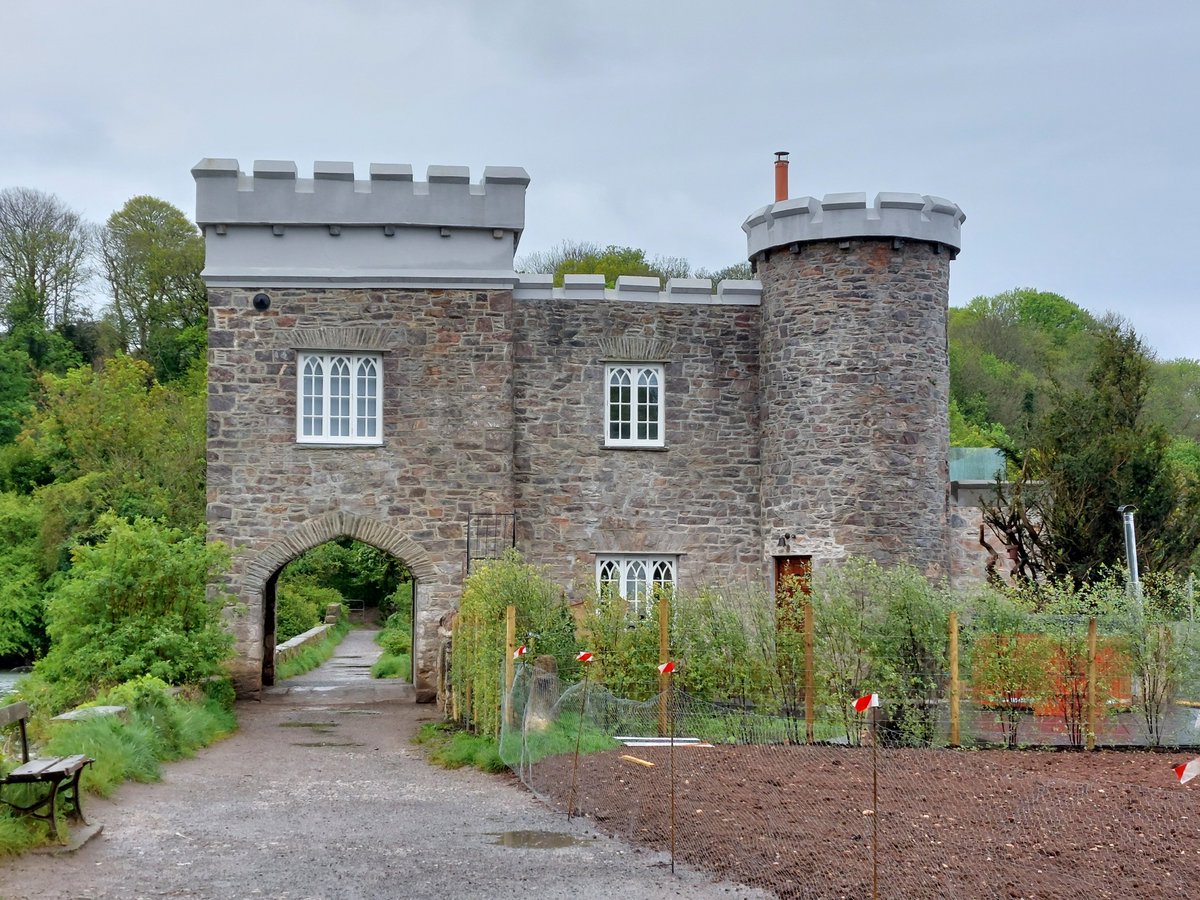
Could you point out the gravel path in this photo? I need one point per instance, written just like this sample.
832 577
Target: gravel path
321 795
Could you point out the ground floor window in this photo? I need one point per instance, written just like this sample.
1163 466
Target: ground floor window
635 578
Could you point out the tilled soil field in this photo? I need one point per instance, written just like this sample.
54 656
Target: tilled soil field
800 821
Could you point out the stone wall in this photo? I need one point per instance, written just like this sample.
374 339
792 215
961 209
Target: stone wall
696 497
855 386
446 451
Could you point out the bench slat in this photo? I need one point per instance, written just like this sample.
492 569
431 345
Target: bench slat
43 769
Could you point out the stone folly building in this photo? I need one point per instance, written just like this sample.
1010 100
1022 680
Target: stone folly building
378 370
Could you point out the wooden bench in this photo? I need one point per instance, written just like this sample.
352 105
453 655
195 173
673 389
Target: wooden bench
62 773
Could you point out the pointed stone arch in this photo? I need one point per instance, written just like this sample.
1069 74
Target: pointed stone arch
331 526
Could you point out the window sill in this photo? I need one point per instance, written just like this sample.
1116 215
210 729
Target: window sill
652 448
322 445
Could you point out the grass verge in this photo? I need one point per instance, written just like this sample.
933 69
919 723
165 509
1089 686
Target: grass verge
314 654
391 665
449 746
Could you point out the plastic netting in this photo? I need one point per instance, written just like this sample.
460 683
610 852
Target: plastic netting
738 793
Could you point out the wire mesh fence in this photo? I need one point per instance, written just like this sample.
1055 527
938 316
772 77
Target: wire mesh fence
739 793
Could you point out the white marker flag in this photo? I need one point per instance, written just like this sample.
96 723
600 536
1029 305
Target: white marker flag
1188 771
862 704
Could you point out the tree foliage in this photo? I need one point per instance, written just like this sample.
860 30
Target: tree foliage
43 258
581 258
152 257
1091 451
134 603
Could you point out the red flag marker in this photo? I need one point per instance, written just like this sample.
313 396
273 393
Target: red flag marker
520 651
584 657
1188 771
666 668
862 704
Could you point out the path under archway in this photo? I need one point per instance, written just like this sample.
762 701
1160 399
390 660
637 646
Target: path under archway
260 572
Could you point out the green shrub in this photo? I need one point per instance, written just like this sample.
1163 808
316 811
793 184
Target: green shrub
393 666
625 647
135 603
396 636
22 627
300 605
544 625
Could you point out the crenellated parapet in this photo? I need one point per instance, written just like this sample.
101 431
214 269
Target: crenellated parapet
640 289
273 227
837 217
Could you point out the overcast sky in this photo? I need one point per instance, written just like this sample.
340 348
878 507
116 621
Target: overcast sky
1067 132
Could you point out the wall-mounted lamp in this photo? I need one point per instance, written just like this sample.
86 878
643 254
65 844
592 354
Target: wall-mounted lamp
783 541
262 301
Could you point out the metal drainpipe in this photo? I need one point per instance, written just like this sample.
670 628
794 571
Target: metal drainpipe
1135 584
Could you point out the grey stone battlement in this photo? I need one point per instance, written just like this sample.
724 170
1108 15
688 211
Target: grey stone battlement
640 289
273 194
919 217
273 228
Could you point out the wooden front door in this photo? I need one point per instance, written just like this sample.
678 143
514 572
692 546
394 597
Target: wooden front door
792 573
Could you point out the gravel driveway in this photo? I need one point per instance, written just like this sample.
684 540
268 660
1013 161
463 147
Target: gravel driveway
321 795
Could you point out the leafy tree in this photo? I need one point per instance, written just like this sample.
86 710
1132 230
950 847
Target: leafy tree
1093 453
113 438
152 258
17 381
544 624
1173 397
738 271
571 258
357 571
43 252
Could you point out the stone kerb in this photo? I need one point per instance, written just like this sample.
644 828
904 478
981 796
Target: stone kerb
918 217
640 289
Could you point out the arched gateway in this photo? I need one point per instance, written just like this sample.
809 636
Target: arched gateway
377 369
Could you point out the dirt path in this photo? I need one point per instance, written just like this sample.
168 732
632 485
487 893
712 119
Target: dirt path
319 795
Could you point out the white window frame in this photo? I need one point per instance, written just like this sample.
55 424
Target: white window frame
634 577
339 397
634 405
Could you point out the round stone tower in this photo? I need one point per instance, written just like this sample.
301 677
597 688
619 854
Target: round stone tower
855 377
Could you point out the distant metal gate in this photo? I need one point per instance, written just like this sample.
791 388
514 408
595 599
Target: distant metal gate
488 536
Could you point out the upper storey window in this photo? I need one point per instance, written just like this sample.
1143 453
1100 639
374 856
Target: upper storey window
634 407
338 398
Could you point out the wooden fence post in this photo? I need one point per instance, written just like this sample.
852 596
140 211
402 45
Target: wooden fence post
955 697
510 663
810 677
1091 684
664 654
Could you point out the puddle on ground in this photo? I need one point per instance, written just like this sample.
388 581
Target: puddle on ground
317 727
536 840
327 744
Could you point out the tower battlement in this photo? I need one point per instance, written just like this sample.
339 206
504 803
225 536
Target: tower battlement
273 227
918 217
273 194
